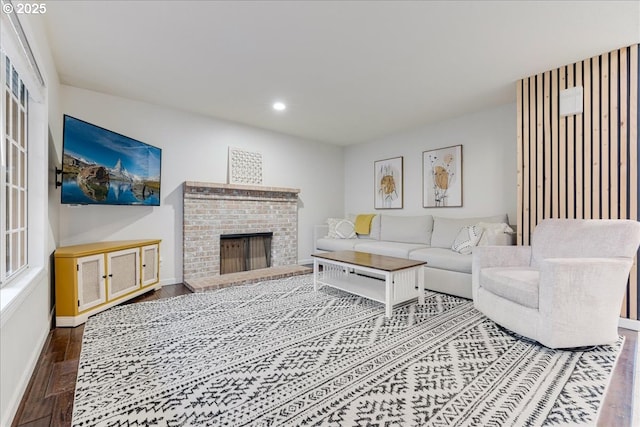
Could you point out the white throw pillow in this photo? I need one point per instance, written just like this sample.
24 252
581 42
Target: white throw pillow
466 239
340 228
491 230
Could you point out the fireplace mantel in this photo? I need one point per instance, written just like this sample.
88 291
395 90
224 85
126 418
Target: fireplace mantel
210 189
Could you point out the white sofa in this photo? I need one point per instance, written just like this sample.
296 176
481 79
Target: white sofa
425 238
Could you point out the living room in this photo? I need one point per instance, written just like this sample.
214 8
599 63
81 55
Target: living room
330 162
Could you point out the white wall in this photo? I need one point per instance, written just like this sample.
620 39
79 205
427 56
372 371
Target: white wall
194 148
488 141
26 301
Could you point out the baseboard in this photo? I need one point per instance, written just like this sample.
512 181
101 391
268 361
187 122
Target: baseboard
170 281
305 261
635 398
22 385
631 324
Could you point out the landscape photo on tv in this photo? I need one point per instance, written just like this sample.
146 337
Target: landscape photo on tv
105 168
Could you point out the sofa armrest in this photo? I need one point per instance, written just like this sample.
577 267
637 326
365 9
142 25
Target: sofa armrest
497 256
503 239
319 231
582 295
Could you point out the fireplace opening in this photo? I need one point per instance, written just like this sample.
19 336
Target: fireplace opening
244 252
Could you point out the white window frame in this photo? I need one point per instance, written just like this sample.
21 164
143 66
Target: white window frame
13 44
10 224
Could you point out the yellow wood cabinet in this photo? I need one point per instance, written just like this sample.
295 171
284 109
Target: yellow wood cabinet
93 277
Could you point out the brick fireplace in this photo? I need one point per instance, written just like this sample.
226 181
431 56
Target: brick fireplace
212 210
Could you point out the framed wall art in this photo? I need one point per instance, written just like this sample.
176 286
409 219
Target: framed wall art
442 177
388 185
245 167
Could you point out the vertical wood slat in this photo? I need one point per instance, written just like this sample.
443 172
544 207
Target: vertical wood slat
624 150
548 160
532 157
571 172
604 195
554 141
526 163
633 175
624 139
584 165
586 134
579 152
519 160
539 152
613 137
562 179
595 137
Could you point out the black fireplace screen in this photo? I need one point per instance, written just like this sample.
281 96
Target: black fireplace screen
244 252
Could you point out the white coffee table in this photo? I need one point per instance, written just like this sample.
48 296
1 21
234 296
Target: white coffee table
401 276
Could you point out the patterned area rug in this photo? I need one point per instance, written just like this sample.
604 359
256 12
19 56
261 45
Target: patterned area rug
279 354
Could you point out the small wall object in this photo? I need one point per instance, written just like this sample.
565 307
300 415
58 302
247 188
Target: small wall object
442 177
388 183
245 167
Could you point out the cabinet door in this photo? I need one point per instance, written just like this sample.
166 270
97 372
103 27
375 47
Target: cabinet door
123 268
150 264
91 276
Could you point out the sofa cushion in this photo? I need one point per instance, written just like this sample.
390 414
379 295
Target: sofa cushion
496 233
341 228
466 239
445 230
374 231
444 259
395 249
328 244
406 229
517 284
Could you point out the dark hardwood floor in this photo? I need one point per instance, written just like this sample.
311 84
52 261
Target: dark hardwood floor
48 400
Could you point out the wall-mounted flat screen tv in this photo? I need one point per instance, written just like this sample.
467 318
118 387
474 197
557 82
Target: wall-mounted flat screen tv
101 167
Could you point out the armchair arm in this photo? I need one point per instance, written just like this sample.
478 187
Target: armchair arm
497 256
501 256
582 296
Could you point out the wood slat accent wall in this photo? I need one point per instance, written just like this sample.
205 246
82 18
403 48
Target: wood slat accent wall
584 165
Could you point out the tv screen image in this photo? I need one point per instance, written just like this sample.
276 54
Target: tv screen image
105 168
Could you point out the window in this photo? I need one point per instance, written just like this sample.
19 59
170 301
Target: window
13 179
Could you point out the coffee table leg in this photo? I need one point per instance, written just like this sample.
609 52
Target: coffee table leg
389 294
420 274
316 267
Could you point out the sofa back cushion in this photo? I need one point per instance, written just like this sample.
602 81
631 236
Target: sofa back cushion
445 230
407 229
374 231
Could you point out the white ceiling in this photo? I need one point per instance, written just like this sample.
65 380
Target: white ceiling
348 71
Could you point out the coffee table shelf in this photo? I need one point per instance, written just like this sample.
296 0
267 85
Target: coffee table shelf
363 286
344 270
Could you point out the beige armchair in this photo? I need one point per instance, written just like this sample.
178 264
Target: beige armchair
566 289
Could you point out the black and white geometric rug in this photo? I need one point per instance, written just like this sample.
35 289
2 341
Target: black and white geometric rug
279 354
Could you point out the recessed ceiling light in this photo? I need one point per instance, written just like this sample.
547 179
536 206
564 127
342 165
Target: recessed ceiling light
279 106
